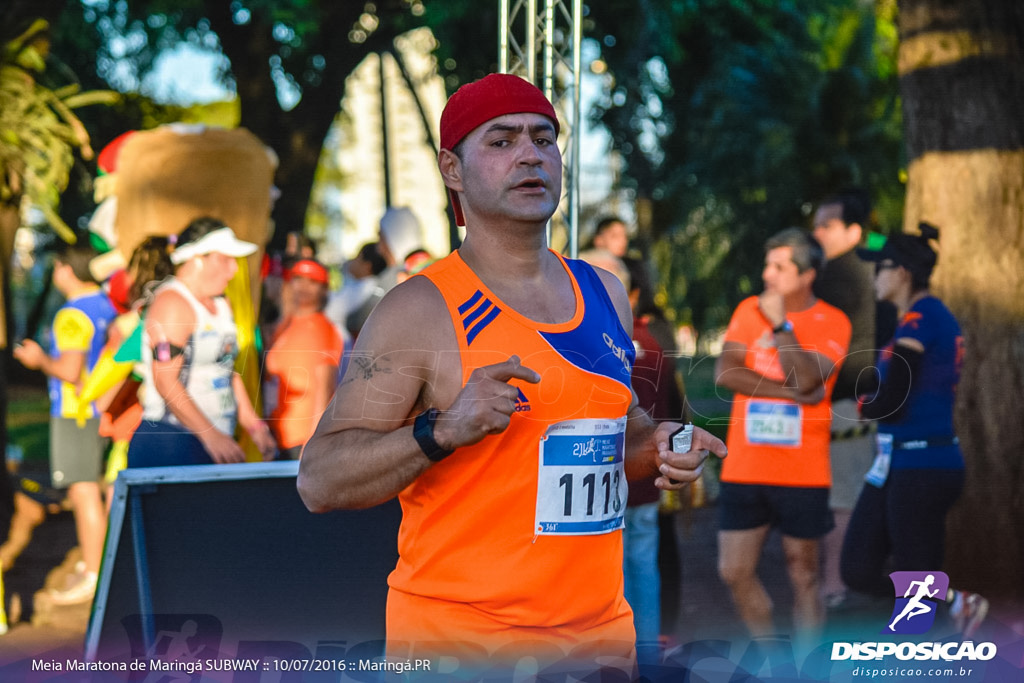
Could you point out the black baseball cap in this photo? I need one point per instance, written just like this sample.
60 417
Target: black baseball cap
912 252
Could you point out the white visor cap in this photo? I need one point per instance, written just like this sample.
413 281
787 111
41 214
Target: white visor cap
220 241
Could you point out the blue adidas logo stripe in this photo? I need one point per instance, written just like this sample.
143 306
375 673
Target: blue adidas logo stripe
477 313
471 302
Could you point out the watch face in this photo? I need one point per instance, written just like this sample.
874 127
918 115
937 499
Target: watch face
682 438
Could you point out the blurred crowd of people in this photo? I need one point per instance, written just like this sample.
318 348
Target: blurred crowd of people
835 418
856 475
843 374
142 362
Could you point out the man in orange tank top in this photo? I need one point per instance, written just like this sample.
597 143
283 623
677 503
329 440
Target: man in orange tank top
491 395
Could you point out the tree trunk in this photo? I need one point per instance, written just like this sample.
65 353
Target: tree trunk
10 219
962 82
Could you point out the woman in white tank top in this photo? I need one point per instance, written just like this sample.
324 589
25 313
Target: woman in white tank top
192 397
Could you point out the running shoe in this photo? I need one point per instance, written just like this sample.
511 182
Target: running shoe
81 590
968 611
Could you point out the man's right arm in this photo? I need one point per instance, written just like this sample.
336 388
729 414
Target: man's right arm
405 361
362 452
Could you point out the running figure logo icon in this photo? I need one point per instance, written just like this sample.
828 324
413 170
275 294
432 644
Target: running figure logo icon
917 595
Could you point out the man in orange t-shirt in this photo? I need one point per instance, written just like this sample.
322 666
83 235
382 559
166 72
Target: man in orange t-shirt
781 355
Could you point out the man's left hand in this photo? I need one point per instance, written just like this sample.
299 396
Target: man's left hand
679 469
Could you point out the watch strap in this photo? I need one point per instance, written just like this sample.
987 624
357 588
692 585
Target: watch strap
784 326
423 432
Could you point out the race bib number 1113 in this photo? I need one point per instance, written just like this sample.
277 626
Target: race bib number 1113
581 481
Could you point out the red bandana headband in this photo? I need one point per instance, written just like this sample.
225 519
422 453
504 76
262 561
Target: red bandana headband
476 103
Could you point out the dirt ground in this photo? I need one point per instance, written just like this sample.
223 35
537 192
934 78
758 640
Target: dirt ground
36 626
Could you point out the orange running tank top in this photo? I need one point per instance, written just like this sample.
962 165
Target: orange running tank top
469 532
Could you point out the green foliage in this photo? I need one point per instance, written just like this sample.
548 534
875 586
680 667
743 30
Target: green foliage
734 117
75 41
295 44
287 62
460 60
38 131
223 114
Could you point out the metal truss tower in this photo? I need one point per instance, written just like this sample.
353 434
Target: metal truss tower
540 41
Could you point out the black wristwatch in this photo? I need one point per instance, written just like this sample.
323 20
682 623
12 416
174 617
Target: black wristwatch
784 326
423 432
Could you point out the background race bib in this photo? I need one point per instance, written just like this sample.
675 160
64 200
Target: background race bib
879 471
581 479
774 424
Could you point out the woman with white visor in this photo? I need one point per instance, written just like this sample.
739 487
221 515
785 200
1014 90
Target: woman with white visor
192 397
